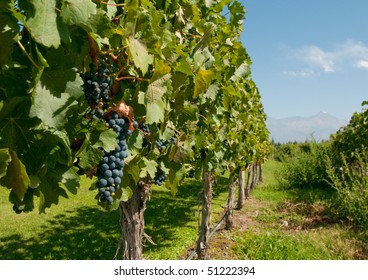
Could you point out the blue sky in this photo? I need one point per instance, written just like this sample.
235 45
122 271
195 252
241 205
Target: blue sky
308 55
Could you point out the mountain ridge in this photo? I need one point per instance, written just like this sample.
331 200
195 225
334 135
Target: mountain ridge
290 129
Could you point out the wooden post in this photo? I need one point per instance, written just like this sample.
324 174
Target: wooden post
202 243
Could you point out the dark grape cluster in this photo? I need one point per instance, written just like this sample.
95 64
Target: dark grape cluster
163 144
160 177
110 169
191 173
17 209
144 127
97 84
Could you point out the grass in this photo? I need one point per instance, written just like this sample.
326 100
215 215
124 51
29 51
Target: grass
78 229
277 223
295 224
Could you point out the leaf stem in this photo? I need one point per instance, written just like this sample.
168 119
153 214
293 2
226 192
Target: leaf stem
27 54
131 78
109 4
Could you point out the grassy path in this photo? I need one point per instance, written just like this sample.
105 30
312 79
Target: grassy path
279 224
274 224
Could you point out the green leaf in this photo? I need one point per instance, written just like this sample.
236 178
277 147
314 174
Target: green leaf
50 188
127 193
70 179
43 24
157 88
203 79
105 140
111 9
150 167
155 112
153 99
16 177
8 36
131 10
139 54
54 109
77 12
90 157
212 92
132 168
209 3
15 123
242 71
184 66
135 140
5 158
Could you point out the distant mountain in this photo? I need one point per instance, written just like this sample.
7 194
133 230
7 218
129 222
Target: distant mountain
318 127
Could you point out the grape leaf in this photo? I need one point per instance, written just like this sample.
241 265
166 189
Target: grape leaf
90 157
53 110
5 158
155 112
111 9
131 10
157 88
209 3
242 71
127 193
132 168
43 23
105 139
16 177
153 98
202 81
77 12
148 166
49 187
15 123
8 35
139 54
70 179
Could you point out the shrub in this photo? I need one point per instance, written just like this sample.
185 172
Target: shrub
351 183
305 166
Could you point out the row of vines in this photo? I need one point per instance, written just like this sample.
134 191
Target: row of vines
131 92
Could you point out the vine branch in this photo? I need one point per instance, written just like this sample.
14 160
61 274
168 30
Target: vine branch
27 54
110 4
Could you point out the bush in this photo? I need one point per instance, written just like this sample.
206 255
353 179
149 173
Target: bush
305 166
351 183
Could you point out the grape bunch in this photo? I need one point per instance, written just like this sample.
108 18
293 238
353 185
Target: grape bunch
17 209
110 169
144 127
191 173
163 144
97 84
160 177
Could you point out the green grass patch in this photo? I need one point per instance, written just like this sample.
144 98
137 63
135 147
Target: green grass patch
172 222
276 244
295 224
77 228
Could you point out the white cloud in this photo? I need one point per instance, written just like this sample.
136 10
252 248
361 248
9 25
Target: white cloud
304 73
362 64
315 59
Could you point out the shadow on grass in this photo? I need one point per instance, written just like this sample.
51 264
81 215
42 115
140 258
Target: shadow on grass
85 233
166 213
89 233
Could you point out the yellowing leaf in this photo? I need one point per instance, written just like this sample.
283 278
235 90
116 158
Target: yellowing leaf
202 81
5 158
16 177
